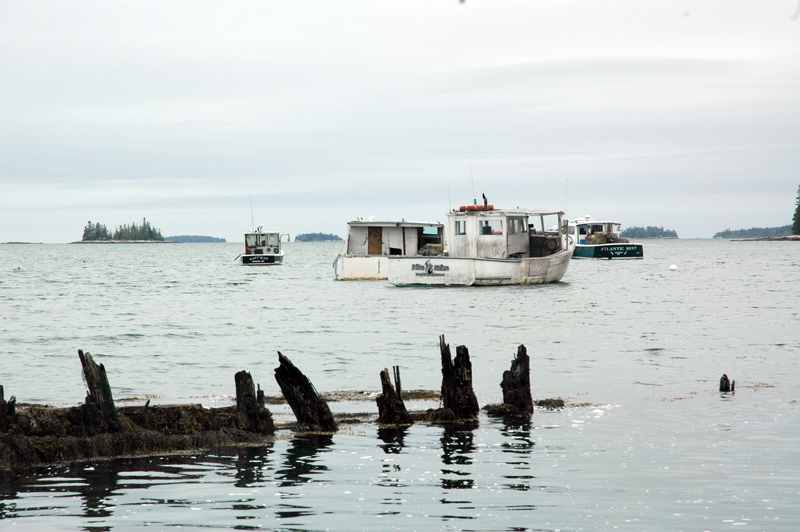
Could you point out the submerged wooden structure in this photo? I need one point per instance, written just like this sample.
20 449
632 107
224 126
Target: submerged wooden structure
40 435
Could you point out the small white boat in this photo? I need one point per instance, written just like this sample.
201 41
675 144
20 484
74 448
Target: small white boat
597 239
262 248
368 246
492 247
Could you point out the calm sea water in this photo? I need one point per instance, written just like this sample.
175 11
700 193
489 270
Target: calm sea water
638 349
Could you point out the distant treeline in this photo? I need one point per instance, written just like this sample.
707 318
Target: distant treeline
191 239
756 232
124 232
648 232
316 237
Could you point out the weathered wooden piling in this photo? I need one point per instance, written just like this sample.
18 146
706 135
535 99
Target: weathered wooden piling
311 411
8 410
517 382
457 394
99 412
391 408
252 415
726 385
516 387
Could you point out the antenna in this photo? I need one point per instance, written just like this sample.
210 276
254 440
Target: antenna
252 223
474 197
566 194
449 206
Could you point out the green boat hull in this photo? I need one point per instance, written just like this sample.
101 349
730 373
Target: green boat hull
609 251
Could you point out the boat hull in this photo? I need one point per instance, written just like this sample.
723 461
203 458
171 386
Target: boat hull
609 251
262 260
458 271
364 268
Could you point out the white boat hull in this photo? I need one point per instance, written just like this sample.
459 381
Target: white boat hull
364 268
458 271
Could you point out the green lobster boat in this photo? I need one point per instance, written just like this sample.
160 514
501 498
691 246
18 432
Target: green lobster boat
596 239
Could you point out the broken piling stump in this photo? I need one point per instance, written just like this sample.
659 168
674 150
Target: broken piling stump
391 408
99 412
311 411
726 385
516 387
253 416
8 411
459 404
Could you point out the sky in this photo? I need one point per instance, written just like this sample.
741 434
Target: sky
679 113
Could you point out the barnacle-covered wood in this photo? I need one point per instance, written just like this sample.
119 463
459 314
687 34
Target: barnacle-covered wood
33 435
391 408
309 408
459 404
516 387
99 412
252 415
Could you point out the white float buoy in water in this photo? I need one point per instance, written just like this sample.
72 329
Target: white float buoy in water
673 268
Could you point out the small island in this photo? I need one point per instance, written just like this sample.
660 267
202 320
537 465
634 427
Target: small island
756 232
98 233
317 237
648 232
194 239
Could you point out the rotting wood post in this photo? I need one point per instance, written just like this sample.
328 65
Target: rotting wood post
726 385
252 416
99 412
516 383
8 410
391 408
311 411
457 393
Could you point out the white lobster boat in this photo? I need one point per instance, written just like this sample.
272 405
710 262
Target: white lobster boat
262 248
368 246
492 247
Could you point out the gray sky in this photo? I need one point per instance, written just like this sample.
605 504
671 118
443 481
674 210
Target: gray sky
677 113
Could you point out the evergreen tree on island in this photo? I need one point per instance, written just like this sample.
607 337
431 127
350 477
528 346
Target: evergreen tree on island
796 224
93 232
316 237
648 232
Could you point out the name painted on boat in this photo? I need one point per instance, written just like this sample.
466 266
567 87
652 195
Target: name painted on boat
429 269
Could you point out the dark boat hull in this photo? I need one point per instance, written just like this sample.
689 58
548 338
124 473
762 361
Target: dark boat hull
261 260
609 251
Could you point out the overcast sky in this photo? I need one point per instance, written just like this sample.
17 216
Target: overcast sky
676 113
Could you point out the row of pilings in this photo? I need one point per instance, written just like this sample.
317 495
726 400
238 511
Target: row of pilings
39 434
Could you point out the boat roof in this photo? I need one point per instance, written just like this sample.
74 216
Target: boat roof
586 221
402 223
510 212
260 232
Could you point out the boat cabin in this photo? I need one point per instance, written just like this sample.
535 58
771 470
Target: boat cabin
259 242
580 230
484 232
394 238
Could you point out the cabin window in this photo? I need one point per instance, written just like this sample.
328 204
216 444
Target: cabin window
581 229
251 240
461 227
430 230
492 227
273 240
597 228
517 226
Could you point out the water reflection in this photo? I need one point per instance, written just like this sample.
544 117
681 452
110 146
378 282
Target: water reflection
252 464
301 459
393 439
457 449
519 445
